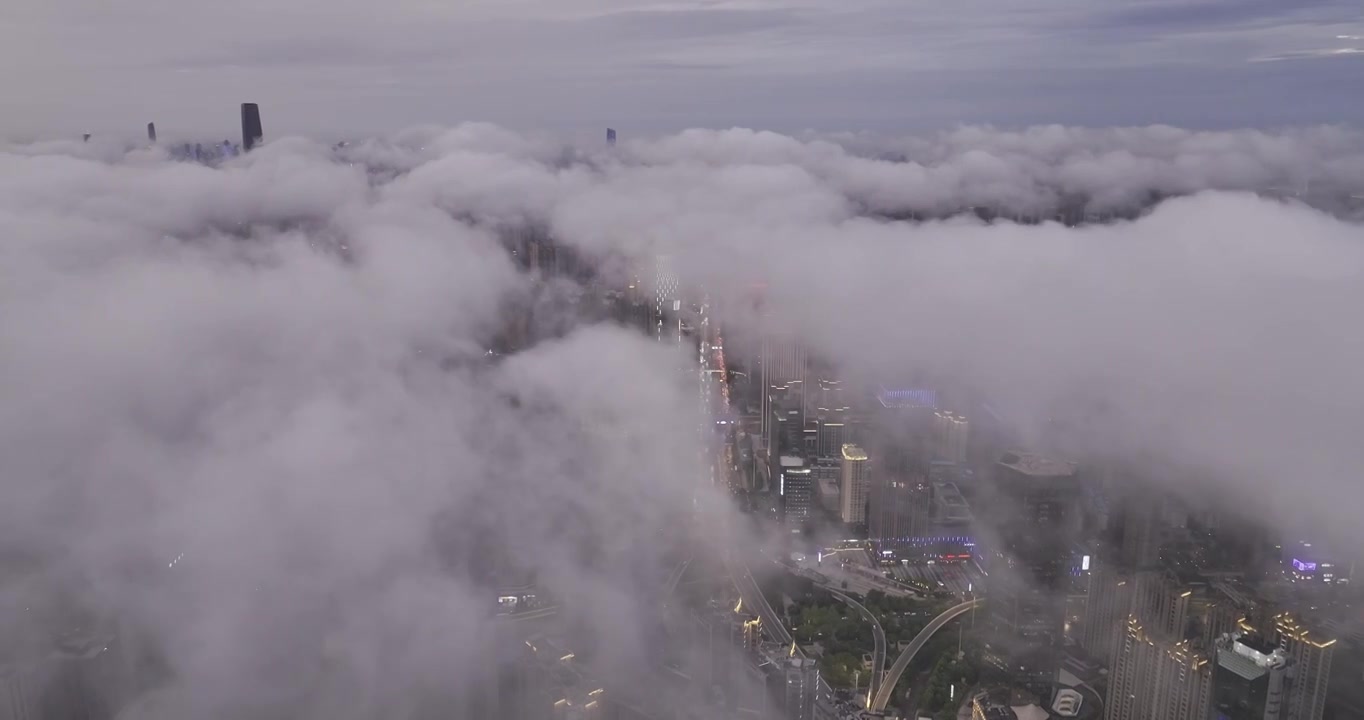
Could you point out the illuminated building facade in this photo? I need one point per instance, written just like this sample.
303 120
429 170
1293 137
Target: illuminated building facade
854 486
1154 676
796 488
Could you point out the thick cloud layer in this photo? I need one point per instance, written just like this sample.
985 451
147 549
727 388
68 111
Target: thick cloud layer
247 410
269 376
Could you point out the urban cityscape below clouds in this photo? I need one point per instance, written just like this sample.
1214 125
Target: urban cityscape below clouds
1013 375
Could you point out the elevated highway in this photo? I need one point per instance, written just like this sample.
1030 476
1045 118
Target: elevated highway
882 697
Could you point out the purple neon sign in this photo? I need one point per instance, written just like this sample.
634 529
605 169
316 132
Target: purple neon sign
1306 567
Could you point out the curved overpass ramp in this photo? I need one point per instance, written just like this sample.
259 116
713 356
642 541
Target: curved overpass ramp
878 663
882 697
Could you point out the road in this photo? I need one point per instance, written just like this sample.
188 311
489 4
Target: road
878 656
888 685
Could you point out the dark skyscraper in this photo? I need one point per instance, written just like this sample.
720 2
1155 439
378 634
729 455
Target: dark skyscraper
252 134
1033 521
610 136
151 132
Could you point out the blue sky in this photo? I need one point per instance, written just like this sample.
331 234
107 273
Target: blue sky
365 66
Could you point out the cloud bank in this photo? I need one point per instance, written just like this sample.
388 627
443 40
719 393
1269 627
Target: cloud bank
270 376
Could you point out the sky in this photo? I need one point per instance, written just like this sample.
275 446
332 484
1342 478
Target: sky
354 67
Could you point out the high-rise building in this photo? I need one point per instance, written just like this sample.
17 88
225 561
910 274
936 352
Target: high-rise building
800 688
796 487
1108 603
252 134
1031 513
1276 673
728 640
1309 655
950 436
610 136
854 486
783 364
1154 676
151 132
897 510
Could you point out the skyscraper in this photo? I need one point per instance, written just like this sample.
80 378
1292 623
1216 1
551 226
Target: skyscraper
151 132
796 487
1258 678
611 136
252 134
1031 513
897 511
854 485
1154 676
950 436
1108 604
1309 655
800 688
783 364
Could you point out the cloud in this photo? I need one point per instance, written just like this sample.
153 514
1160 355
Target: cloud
243 403
248 410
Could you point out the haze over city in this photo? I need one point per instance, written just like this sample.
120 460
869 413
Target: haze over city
878 361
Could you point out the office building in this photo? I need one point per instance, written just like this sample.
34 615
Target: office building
782 365
950 437
1278 672
151 133
1108 602
1309 655
828 404
1031 513
727 642
799 688
252 134
1154 676
611 136
796 488
950 514
854 487
897 511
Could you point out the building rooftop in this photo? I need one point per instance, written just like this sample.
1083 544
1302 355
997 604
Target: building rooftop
1036 465
853 452
791 461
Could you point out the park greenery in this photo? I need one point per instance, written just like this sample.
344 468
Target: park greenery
938 699
816 617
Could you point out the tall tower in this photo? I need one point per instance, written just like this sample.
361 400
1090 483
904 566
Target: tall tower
611 137
1309 656
252 134
1157 677
783 364
1109 602
151 132
1033 513
853 488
